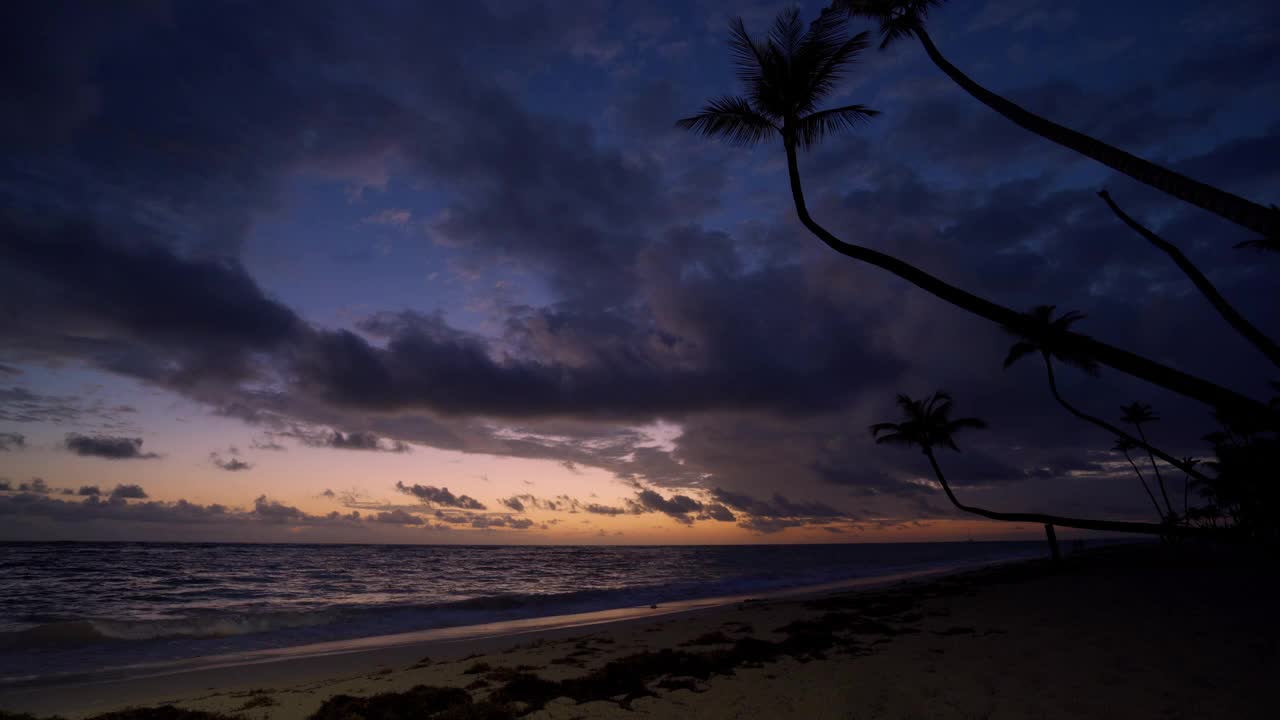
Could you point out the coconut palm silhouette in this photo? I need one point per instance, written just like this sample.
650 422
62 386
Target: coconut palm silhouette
1126 446
907 18
1045 336
1137 414
927 424
785 77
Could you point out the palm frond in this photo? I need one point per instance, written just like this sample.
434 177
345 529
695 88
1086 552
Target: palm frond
1124 445
893 434
909 407
1266 244
897 18
878 428
750 57
1137 413
811 129
1019 351
788 32
1067 319
831 68
1049 335
927 423
938 404
731 119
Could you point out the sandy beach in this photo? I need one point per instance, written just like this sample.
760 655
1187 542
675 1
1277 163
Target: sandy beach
1125 632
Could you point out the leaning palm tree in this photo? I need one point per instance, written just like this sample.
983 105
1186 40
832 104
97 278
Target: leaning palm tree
927 424
1126 446
786 76
1046 338
907 18
1188 462
1226 310
1136 414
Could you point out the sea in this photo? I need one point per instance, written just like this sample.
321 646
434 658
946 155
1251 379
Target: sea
69 609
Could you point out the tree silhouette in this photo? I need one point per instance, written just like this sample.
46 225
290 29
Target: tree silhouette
785 77
907 18
927 424
1190 462
1046 337
1246 329
1125 446
1136 414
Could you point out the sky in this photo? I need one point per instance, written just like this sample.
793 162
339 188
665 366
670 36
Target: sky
447 273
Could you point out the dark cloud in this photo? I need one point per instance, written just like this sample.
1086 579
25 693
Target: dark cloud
486 522
128 492
105 446
189 321
777 514
86 490
266 443
432 496
181 512
718 512
677 507
11 441
276 511
230 464
37 486
21 405
598 509
397 517
354 441
567 504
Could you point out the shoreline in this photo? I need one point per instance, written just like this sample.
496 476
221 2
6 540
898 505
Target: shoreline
132 684
1134 631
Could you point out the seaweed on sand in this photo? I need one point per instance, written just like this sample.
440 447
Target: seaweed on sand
421 701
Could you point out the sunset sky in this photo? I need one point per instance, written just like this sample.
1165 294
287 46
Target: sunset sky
450 267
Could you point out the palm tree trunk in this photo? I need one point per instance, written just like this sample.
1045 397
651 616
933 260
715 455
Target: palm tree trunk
1080 523
1053 388
1052 537
1130 363
1155 468
1238 210
1147 488
1233 317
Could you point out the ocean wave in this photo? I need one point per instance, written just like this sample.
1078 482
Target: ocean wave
252 618
382 619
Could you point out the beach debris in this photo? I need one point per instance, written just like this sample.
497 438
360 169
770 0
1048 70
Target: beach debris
257 701
711 638
419 701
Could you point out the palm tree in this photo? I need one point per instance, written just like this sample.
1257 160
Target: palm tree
1188 462
786 76
928 424
1046 338
907 18
1125 446
1136 414
1233 317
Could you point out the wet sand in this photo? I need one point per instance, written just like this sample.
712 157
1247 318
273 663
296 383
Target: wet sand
1125 632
